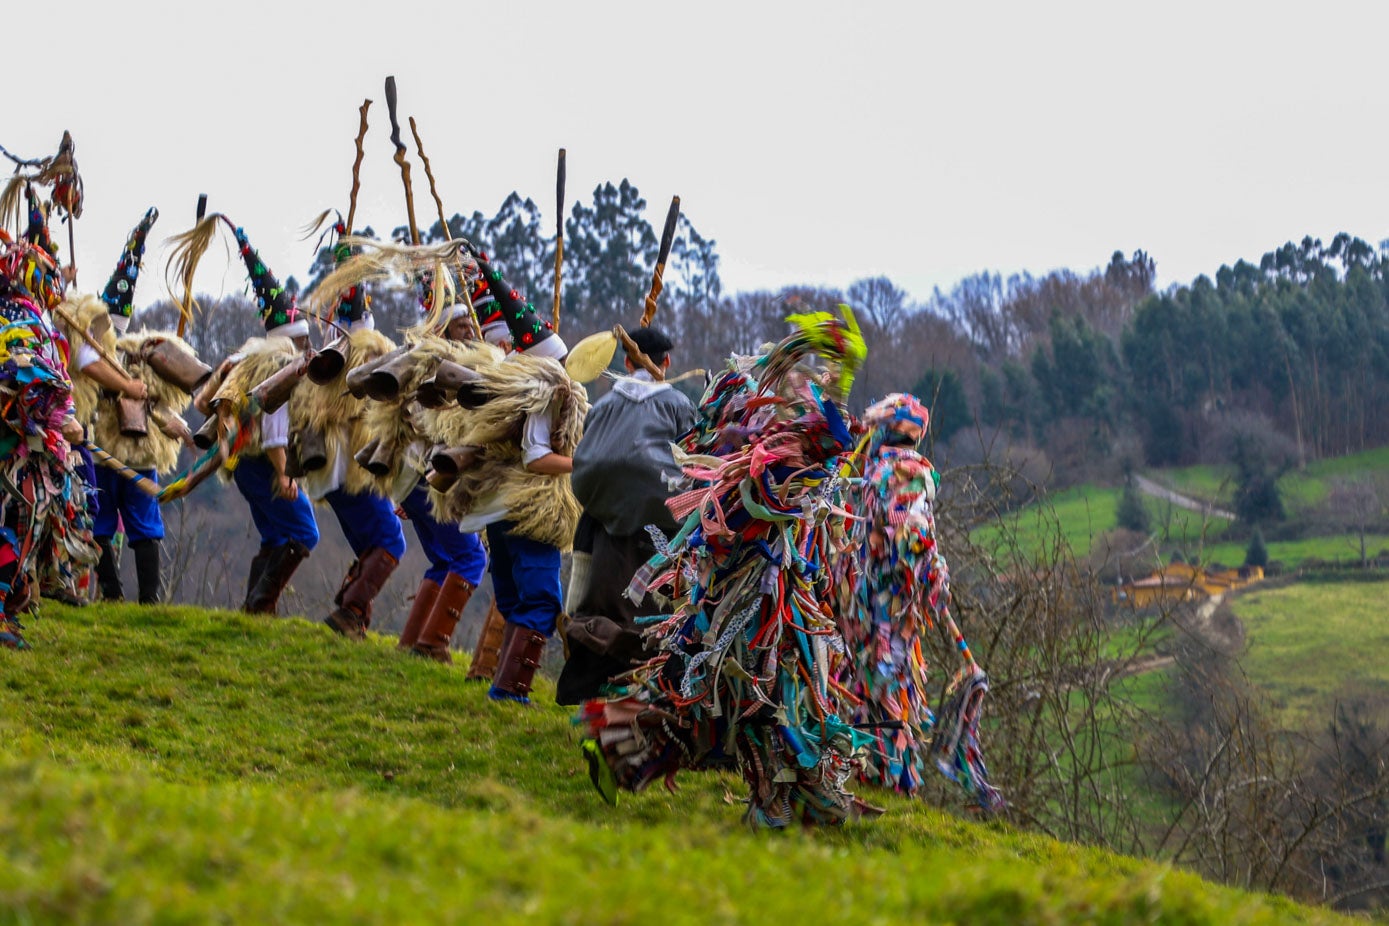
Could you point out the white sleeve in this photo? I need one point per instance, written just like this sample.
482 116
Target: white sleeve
274 428
535 438
86 355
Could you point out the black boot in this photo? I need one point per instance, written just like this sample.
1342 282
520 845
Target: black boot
279 567
258 563
147 570
108 573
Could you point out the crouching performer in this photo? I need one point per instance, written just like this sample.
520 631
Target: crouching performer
512 439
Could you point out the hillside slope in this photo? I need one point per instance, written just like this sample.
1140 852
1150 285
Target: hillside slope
173 764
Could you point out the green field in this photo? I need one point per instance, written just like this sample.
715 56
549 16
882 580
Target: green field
1080 514
1311 643
179 765
1333 548
1301 491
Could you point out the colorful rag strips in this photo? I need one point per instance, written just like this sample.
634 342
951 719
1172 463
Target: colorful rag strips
744 672
776 659
43 527
892 593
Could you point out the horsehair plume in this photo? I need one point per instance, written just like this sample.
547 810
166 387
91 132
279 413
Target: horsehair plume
382 260
12 206
187 250
319 224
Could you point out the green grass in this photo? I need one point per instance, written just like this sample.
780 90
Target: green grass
179 765
1332 548
1301 490
1081 513
1313 642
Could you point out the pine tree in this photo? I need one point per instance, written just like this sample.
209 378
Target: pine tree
1133 514
1257 553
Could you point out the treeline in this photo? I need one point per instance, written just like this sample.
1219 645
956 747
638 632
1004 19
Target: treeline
1085 371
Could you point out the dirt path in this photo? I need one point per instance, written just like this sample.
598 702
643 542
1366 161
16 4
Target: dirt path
1149 487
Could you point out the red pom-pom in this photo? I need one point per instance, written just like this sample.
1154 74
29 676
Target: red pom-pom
527 338
514 294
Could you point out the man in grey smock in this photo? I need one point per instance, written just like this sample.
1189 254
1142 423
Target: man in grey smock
623 469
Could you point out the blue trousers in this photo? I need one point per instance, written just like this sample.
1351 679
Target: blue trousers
138 511
367 520
525 578
278 520
448 549
87 473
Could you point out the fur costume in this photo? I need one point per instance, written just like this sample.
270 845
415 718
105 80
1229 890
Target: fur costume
397 425
542 507
260 357
91 315
336 414
156 450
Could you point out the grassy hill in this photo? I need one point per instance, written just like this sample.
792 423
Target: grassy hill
180 765
1314 642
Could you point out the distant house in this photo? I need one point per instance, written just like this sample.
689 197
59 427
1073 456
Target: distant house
1182 582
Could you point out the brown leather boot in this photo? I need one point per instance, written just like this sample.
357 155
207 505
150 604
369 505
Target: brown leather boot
489 644
438 629
520 657
424 602
280 564
363 583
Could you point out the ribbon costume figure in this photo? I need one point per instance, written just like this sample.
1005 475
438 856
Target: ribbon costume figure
40 497
895 586
744 665
623 475
132 404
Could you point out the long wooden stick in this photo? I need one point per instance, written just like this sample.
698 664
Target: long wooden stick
474 323
357 166
559 235
143 483
658 275
399 158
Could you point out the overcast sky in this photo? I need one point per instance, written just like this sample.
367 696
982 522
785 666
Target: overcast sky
817 142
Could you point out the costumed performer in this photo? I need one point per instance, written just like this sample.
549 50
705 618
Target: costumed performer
743 670
527 421
623 475
897 586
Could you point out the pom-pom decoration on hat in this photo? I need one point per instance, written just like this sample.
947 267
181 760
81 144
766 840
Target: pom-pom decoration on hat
277 308
898 413
120 289
354 306
524 323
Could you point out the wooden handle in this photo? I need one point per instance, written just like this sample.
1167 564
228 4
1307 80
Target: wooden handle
357 166
141 482
658 275
429 173
399 158
559 236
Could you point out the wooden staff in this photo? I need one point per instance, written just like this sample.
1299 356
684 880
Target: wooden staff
399 158
559 235
143 483
357 166
188 290
474 326
658 275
